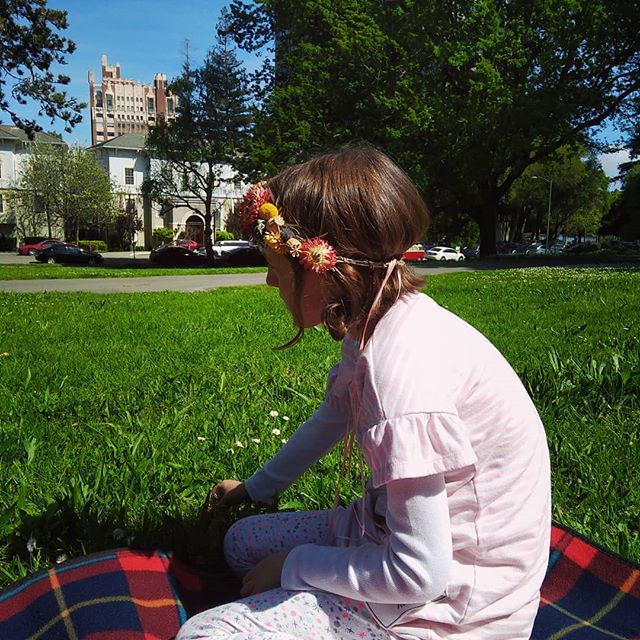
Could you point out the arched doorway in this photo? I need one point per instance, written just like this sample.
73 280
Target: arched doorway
194 228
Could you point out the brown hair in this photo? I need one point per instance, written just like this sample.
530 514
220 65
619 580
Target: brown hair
367 208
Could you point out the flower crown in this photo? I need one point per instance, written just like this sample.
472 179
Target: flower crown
260 218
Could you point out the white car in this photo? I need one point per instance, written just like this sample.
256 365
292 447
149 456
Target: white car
443 253
227 246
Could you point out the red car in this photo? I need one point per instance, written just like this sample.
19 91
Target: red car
415 252
187 243
32 248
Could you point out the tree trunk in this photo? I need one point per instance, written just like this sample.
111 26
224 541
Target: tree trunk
486 217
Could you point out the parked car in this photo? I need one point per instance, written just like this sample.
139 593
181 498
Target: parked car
229 246
443 253
188 243
171 255
413 253
471 253
250 256
236 253
68 254
32 248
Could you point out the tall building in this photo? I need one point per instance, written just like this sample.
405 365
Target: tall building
121 106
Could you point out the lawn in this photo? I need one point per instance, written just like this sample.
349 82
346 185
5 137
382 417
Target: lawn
31 271
117 412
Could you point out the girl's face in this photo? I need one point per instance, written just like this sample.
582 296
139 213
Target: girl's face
312 291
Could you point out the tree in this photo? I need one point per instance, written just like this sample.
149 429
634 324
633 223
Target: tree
210 129
127 222
623 218
29 45
464 95
62 188
580 196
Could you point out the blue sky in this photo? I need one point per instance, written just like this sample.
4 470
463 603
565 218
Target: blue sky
145 36
148 37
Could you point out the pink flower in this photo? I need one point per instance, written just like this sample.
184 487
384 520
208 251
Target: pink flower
317 255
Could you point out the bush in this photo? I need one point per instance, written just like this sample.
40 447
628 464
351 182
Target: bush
224 235
162 235
93 245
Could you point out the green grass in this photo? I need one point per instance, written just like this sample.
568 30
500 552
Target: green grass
118 412
58 271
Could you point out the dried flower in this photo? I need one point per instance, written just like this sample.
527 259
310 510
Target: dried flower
294 246
317 255
268 210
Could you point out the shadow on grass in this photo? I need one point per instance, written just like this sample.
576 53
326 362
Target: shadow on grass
63 532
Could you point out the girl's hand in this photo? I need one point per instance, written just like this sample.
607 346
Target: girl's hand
226 494
265 575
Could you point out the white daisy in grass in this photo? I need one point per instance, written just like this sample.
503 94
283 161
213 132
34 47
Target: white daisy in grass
31 544
274 414
239 444
275 432
285 418
256 440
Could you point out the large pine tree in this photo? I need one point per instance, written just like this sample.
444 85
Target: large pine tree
210 129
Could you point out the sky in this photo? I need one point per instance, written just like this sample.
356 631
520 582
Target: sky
145 36
148 37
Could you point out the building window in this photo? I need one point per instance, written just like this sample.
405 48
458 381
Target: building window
128 176
99 98
150 105
170 109
109 101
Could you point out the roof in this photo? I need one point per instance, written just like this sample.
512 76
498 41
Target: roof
15 133
131 141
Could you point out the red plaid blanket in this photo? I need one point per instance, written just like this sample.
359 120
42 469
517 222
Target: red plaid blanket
588 594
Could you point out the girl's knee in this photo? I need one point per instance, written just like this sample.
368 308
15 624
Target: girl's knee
239 546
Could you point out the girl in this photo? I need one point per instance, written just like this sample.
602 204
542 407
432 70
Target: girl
451 536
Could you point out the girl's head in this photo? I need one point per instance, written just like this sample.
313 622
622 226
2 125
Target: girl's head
357 211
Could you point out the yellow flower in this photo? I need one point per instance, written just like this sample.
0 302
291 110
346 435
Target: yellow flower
274 242
268 210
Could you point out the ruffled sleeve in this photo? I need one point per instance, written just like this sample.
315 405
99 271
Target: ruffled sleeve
416 445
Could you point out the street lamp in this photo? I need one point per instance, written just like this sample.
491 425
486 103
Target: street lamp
546 240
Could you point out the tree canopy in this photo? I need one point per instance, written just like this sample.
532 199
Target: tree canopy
29 46
464 95
62 187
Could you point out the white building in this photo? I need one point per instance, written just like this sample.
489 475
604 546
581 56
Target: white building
128 166
14 148
119 105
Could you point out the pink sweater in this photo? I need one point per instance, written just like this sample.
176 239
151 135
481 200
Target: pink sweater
436 398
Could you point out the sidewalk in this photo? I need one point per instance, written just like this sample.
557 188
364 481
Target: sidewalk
135 284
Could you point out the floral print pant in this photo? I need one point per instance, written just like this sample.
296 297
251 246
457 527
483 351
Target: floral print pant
279 614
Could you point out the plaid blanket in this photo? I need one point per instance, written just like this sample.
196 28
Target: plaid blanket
588 594
117 595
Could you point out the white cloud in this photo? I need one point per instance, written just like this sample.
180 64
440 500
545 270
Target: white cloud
610 161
